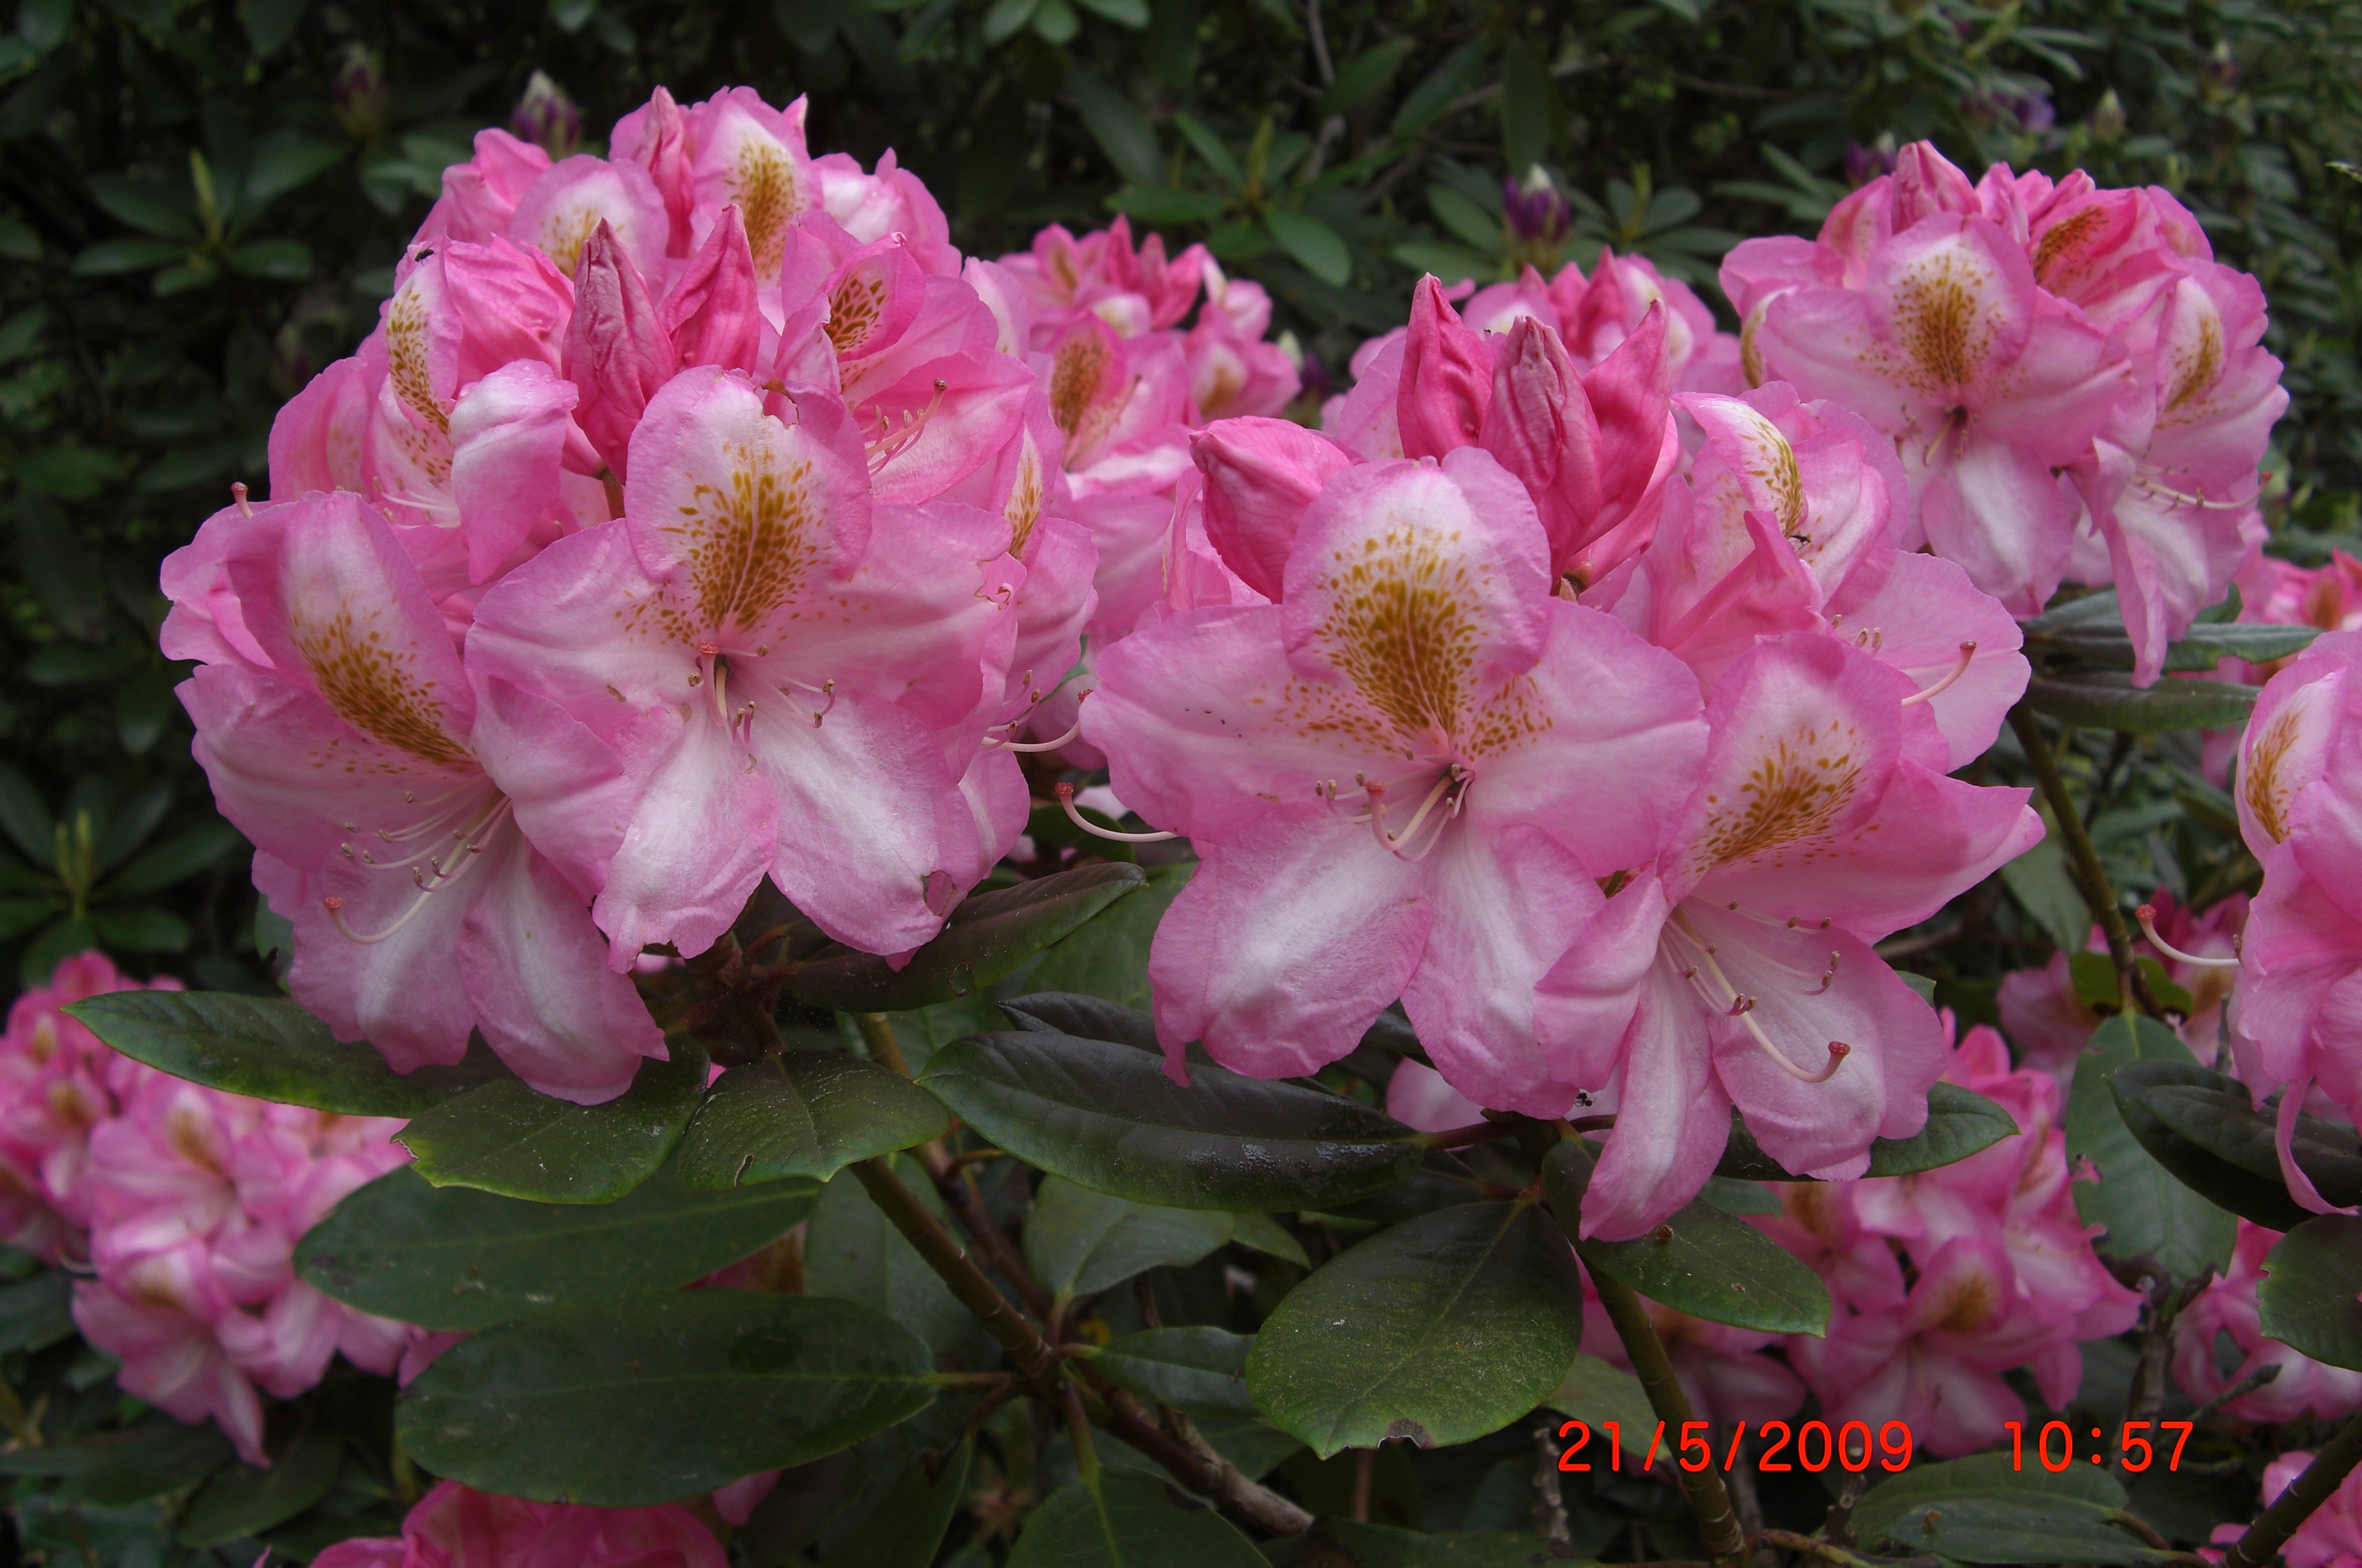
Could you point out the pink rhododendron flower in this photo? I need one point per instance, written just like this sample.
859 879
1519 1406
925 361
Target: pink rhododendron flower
1402 778
2219 1345
795 679
1724 1372
57 1082
1737 969
2051 1024
2331 1536
1593 315
453 1527
2005 1276
2299 1015
342 735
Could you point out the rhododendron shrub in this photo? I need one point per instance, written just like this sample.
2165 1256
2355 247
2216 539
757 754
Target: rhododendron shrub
911 850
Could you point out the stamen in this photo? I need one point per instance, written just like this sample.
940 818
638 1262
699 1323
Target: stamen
237 499
892 443
1742 1004
828 689
1041 746
1967 652
1066 801
2147 913
1377 793
1828 977
2182 498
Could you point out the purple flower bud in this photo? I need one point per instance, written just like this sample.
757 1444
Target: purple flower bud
547 117
2221 69
357 91
1536 211
1863 164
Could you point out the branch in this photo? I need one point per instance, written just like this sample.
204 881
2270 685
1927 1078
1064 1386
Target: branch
2130 985
2292 1508
1028 1349
1717 1525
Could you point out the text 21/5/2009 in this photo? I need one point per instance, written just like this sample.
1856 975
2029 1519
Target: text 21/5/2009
1850 1446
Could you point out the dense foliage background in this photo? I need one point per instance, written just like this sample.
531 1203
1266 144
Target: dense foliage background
201 203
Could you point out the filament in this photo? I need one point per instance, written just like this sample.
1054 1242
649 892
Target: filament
1959 668
237 499
893 442
2147 913
2182 498
1066 801
1742 1007
1042 745
464 857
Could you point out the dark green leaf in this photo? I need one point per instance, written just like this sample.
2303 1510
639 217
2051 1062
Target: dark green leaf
1197 1370
1077 1242
509 1138
1133 13
453 1257
37 1313
2196 650
1159 206
2038 880
270 23
1056 23
1109 957
140 930
986 938
1426 102
2113 702
26 819
2093 610
1107 1116
166 1458
1311 242
1085 1018
1129 1521
1007 18
1209 147
1983 1509
280 260
1438 1331
270 1049
907 1528
2312 1277
802 1113
1595 1390
1365 77
1960 1121
2149 1215
853 1253
1123 132
624 1404
2200 1125
1526 109
144 205
245 1502
1702 1262
176 859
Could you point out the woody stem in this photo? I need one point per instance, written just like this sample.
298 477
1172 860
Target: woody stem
1709 1501
2292 1508
2090 875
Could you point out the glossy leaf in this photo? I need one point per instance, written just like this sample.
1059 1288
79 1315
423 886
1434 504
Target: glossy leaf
506 1138
1438 1331
1702 1261
453 1257
1983 1509
1084 1017
1078 1241
1109 957
2038 880
2103 702
1129 1521
802 1113
1199 1371
268 1048
2199 1124
624 1403
987 936
1312 243
1595 1390
1960 1121
907 1528
2148 1214
165 1458
2312 1277
243 1501
1106 1117
852 1252
2198 650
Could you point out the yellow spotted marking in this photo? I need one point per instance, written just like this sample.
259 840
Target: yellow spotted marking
565 233
2196 365
405 359
1076 370
1024 508
2062 247
751 541
2261 785
1969 1304
854 307
1797 790
1939 320
763 182
374 685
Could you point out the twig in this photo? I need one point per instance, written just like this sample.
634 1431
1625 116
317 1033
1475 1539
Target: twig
2085 859
2272 1528
1717 1525
877 1033
1365 1467
1549 1501
2239 1390
1029 1351
1461 1137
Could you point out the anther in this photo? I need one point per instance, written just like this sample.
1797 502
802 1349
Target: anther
1828 977
237 499
2147 913
1959 668
1067 802
1741 1005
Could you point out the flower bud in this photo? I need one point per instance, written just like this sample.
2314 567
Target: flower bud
357 91
1537 213
547 117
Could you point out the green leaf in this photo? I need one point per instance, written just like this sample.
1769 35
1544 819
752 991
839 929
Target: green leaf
2196 650
1311 242
1106 1116
280 260
1702 1262
1077 1242
2312 1277
625 1403
507 1137
907 1528
2112 703
986 938
1384 1546
177 859
802 1113
1109 957
144 205
1085 1018
2149 1215
1460 213
2200 1125
1056 23
1265 1235
245 1502
1364 76
1426 102
1209 147
26 819
270 23
37 1313
1594 1390
853 1253
1133 13
1525 108
1960 1121
1449 263
112 258
2039 880
165 1458
1197 1370
140 930
1129 1521
1981 1509
1438 1331
270 1048
1166 206
453 1258
1007 18
1123 132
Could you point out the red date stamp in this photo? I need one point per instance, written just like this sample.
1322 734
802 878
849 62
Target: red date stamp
1815 1446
